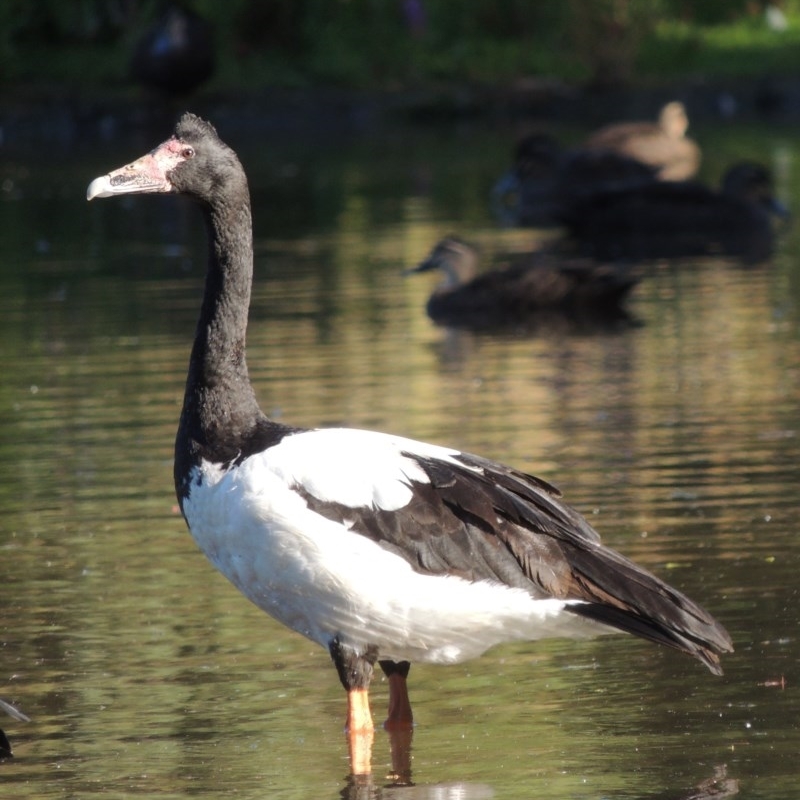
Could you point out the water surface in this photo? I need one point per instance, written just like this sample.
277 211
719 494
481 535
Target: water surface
146 674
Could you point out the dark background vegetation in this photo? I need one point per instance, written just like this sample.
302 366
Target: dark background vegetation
403 44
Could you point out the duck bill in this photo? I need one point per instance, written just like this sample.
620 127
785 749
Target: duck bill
424 266
147 175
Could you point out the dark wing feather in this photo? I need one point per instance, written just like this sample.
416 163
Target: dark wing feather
574 564
482 521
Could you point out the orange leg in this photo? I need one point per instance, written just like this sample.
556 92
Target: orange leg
360 732
355 673
359 717
399 721
399 715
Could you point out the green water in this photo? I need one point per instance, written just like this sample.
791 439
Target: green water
146 674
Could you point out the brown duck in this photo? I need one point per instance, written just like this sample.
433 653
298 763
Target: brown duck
662 144
537 285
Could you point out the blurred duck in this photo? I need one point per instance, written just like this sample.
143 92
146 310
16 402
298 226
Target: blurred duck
680 219
538 285
545 177
176 54
662 145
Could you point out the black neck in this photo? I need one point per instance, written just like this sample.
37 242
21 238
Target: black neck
220 413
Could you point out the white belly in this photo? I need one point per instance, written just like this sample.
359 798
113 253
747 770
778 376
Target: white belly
324 581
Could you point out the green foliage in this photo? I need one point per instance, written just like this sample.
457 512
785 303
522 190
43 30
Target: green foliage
744 47
607 35
404 43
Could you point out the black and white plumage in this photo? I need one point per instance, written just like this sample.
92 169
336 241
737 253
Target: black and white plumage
377 547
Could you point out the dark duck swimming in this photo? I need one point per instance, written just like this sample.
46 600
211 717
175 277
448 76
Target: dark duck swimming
532 289
545 178
680 219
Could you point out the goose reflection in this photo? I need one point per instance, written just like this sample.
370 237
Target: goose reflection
365 787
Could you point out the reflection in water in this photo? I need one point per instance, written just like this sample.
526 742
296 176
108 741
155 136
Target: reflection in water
146 675
13 711
718 786
367 787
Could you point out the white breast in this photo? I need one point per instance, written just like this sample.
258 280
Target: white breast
323 580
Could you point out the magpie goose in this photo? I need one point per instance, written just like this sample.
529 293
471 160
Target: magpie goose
377 547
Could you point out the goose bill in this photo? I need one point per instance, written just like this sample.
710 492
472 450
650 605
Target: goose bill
147 175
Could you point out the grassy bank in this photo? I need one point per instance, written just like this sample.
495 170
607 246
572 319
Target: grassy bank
365 44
